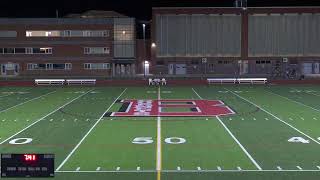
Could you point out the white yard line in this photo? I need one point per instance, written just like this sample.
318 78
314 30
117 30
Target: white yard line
274 116
44 117
241 146
84 137
235 139
27 101
293 101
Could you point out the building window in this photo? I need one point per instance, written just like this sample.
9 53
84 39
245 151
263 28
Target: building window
29 50
68 66
211 67
87 66
49 66
66 33
28 34
194 62
8 50
263 62
49 33
96 50
20 51
42 50
96 66
160 63
95 33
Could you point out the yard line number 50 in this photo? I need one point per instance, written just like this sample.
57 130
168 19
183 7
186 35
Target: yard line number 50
149 140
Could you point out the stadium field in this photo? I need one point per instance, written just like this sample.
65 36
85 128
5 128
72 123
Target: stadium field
204 132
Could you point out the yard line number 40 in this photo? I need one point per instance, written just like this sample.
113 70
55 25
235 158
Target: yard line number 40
149 140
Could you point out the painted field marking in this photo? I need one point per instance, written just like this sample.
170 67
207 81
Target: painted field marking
275 117
78 169
84 137
138 168
239 168
315 118
279 168
299 167
98 169
44 117
318 167
300 103
308 92
186 171
159 155
118 169
199 168
234 138
179 168
219 168
27 101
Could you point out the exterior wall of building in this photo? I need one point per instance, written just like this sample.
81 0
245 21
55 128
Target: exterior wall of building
273 41
198 35
78 42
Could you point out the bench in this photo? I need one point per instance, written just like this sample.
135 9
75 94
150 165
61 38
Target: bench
81 81
237 80
221 80
49 81
252 80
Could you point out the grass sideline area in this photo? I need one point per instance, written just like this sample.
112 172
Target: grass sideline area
274 133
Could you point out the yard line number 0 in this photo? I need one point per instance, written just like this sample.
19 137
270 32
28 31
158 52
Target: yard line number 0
149 140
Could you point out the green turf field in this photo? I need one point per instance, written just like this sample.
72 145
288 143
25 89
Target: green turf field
275 133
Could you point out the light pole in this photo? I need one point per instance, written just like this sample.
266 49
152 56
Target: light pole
144 48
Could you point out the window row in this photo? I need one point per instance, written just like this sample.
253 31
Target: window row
48 50
263 62
96 50
49 66
26 50
96 66
68 33
66 66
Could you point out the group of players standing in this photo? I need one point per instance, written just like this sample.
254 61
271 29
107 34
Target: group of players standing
157 81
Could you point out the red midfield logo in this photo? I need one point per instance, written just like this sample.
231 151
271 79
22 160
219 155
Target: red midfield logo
173 107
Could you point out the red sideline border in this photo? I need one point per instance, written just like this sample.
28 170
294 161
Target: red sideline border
170 82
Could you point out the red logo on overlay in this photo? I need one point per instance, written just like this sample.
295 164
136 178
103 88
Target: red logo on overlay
172 107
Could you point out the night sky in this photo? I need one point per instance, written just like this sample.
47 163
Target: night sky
140 9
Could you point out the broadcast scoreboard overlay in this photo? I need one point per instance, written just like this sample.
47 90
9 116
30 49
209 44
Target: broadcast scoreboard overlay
222 132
